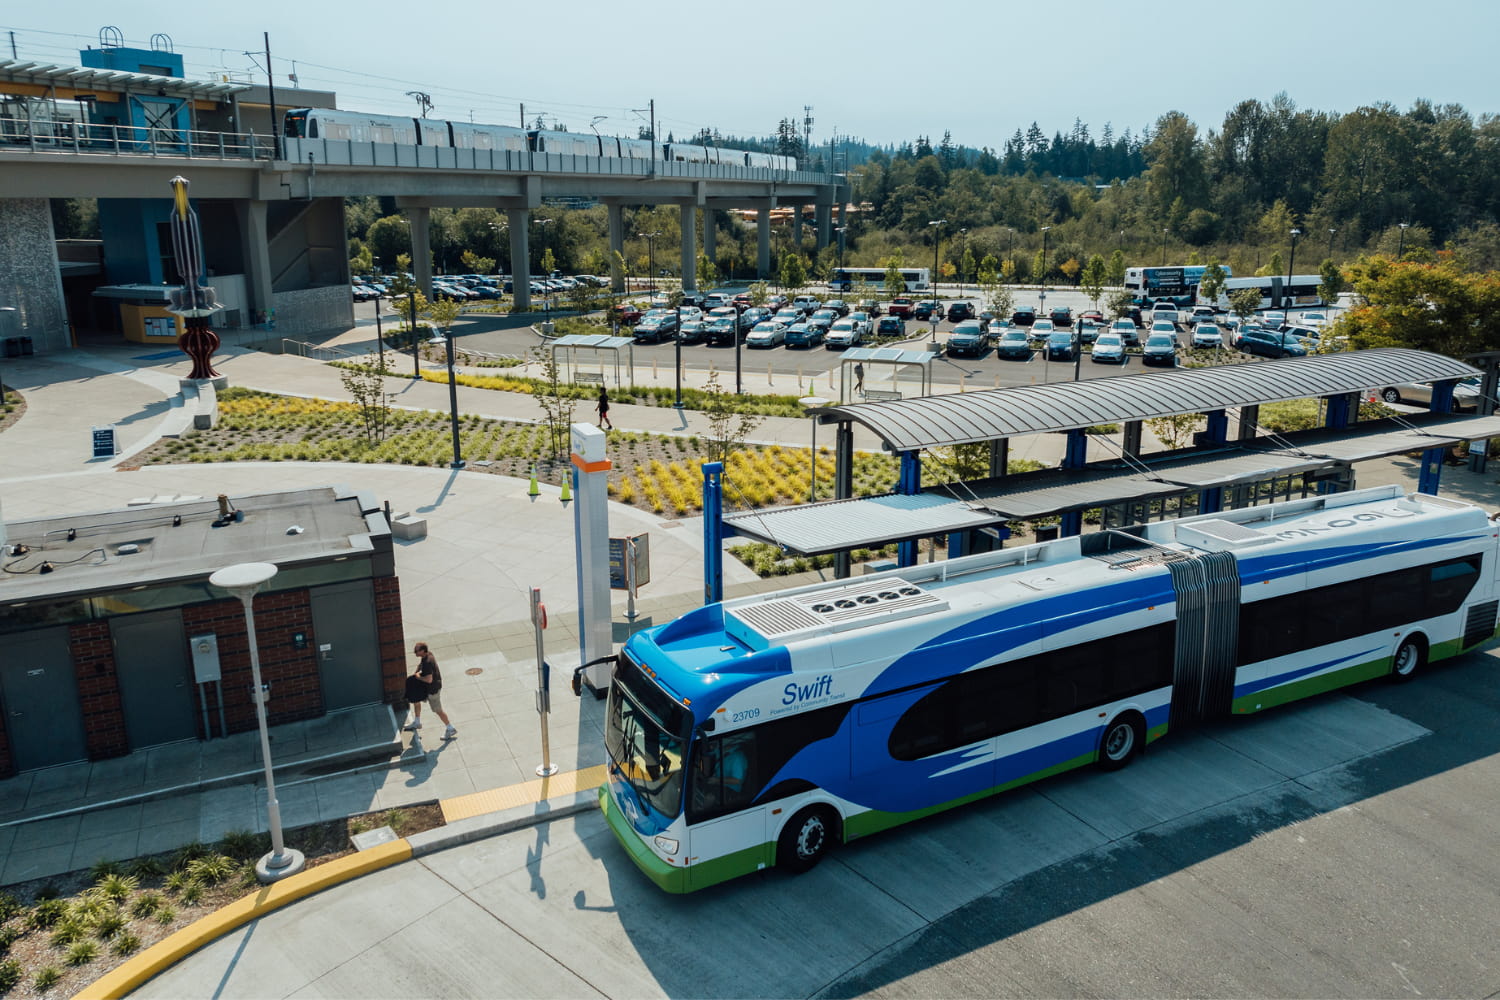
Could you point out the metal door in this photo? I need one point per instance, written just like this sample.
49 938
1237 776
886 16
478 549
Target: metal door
156 680
39 695
347 645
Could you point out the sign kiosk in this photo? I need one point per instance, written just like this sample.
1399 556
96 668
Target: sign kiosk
591 549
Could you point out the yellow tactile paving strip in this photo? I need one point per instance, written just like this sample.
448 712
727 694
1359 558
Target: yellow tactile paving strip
526 793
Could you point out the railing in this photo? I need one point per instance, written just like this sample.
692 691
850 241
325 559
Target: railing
49 135
52 135
314 351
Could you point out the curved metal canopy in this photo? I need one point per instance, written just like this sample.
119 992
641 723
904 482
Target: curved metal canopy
111 80
963 418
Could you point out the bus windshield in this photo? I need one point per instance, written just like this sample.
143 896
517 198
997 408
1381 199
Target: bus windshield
646 735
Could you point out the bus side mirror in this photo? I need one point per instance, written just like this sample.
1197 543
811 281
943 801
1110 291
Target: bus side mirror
706 728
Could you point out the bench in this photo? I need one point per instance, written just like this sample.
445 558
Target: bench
881 396
597 378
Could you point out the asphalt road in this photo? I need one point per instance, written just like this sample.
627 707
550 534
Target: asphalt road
1339 847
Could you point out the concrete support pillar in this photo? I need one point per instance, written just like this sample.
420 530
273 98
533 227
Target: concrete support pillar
1249 417
823 213
257 252
710 237
1076 457
421 247
689 246
763 242
616 214
1132 443
520 256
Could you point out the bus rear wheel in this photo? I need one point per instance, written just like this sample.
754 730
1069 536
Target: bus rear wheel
1123 739
1410 657
805 840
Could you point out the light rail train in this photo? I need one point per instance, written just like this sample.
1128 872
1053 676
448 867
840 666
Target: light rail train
323 123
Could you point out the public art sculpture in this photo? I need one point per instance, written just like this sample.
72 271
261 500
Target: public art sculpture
194 301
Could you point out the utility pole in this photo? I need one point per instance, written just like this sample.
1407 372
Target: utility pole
523 114
271 95
807 123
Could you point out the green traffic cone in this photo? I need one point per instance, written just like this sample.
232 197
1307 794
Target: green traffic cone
567 488
535 490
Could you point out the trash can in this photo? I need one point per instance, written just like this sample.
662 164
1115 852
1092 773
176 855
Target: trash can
12 347
26 347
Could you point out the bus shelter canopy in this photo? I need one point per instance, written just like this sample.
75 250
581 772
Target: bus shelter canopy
596 343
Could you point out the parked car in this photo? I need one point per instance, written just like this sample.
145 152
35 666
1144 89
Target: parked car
1316 320
805 303
823 318
924 310
968 338
1208 335
960 311
870 307
1109 349
1014 344
1165 314
891 326
1093 316
1040 331
752 316
804 335
1270 343
1273 320
1087 332
1023 316
626 314
786 317
837 305
721 330
1202 314
767 334
901 307
843 334
776 302
693 331
363 293
1466 394
1160 349
1061 317
1129 335
656 328
1060 346
1159 326
725 312
863 323
717 300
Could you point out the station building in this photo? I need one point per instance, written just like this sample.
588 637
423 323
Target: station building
113 641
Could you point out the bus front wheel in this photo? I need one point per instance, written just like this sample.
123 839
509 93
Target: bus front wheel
1410 656
1123 739
805 840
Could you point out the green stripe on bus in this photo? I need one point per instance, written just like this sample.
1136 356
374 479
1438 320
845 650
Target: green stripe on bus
875 820
667 877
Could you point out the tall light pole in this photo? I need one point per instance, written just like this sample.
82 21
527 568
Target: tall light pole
937 238
447 339
1292 256
1164 233
650 239
244 580
1043 276
963 248
1330 242
1401 246
1010 250
841 230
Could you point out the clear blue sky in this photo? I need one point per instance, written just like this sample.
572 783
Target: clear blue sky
882 71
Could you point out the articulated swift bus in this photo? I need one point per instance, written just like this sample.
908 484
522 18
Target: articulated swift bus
1276 292
765 730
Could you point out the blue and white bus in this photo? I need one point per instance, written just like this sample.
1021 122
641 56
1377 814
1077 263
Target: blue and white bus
1175 285
765 730
848 279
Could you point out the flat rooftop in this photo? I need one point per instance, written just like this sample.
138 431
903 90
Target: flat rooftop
153 541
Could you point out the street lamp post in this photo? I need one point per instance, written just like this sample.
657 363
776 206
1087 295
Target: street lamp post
244 580
1164 233
1330 242
937 239
1010 250
416 358
841 230
1401 245
650 239
1042 278
963 248
1292 256
447 340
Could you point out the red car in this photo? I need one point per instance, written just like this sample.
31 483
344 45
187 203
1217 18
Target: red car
627 314
742 301
901 308
1093 316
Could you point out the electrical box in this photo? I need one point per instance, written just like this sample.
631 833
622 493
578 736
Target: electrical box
205 649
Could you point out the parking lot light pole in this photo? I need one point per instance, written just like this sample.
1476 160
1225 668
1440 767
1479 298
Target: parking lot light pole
244 580
1401 245
1042 278
458 459
1330 242
1164 233
1292 258
937 238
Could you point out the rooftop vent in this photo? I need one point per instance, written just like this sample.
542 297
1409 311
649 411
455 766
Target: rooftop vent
1216 535
834 609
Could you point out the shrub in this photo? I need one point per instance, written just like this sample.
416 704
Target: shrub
46 914
165 915
145 904
46 978
116 886
127 944
10 975
147 867
82 953
210 870
104 869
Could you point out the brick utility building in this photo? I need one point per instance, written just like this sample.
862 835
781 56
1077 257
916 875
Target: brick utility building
112 639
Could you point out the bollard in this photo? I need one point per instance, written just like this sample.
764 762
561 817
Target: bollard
961 377
997 381
653 369
769 380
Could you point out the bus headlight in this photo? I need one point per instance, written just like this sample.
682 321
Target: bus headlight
667 844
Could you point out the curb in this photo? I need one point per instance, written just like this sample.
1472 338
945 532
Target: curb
150 963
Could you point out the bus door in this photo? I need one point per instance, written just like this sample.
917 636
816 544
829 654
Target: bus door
723 781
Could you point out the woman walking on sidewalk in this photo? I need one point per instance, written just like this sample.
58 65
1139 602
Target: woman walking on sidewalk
427 673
